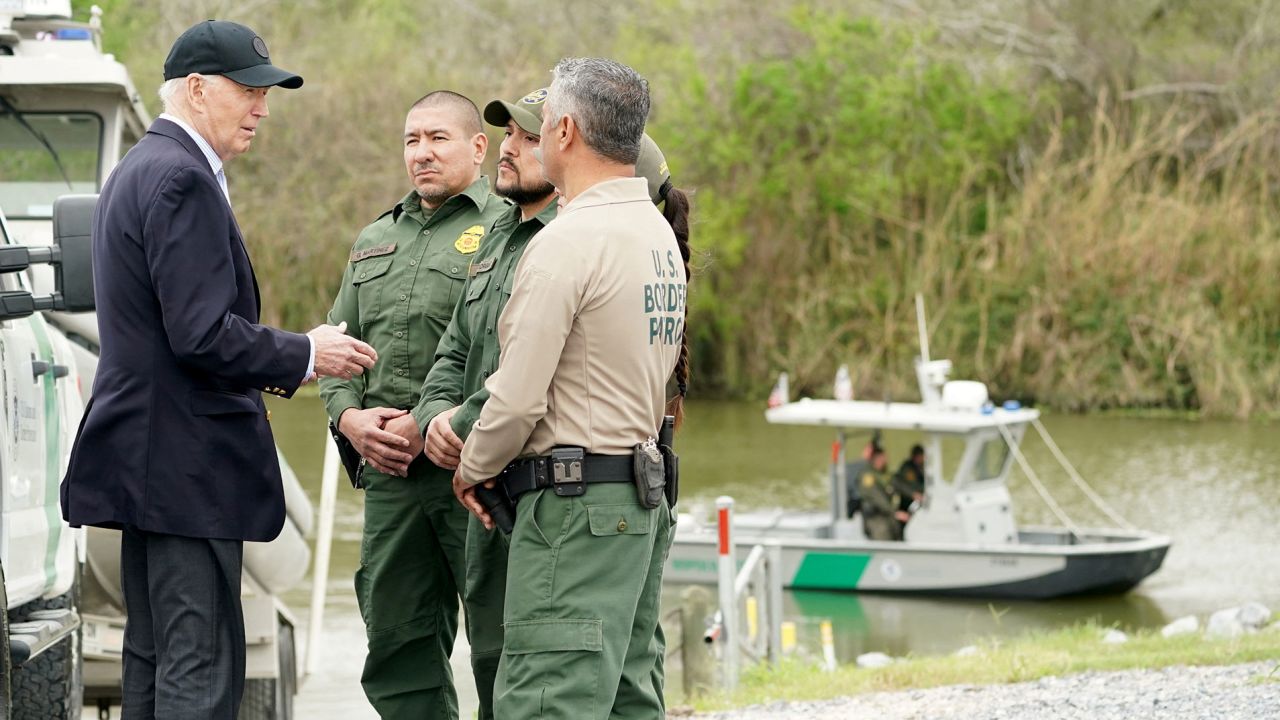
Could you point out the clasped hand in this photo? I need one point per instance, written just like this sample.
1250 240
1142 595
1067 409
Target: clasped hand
385 437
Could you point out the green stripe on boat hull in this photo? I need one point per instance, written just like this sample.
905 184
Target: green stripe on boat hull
828 571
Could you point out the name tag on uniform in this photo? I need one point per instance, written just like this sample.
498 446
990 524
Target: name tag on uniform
358 255
479 267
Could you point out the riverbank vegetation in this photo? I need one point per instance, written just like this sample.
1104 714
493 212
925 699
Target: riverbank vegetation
1084 192
1031 657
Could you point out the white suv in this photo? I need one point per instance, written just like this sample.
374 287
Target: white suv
40 406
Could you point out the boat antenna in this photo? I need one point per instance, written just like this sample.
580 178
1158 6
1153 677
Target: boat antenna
923 328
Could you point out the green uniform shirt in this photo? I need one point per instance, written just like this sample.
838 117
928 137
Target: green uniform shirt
404 278
468 351
878 496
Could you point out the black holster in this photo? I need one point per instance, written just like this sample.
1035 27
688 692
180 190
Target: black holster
671 461
499 505
352 462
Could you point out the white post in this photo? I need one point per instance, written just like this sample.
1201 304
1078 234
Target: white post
728 598
923 328
839 482
773 607
828 646
324 542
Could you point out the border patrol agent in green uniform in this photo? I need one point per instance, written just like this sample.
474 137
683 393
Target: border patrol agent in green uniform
398 292
587 347
881 518
468 353
909 480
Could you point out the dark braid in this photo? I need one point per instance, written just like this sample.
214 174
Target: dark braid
675 209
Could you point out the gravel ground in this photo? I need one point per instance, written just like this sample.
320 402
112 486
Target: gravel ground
1234 692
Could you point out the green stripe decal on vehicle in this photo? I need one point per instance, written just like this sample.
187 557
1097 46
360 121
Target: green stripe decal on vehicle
52 440
830 571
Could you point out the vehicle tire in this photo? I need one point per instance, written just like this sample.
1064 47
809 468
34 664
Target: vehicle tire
6 669
273 699
50 686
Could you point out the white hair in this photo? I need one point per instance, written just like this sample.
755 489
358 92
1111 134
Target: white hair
170 91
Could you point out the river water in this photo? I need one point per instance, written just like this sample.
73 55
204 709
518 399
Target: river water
1209 485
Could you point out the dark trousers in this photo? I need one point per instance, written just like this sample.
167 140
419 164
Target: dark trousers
184 630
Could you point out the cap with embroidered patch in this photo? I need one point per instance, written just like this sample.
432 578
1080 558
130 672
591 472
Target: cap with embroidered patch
527 112
652 166
221 47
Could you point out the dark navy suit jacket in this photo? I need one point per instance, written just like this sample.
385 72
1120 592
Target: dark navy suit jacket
175 439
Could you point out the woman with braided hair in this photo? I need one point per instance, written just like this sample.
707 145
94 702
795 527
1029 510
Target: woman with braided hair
674 203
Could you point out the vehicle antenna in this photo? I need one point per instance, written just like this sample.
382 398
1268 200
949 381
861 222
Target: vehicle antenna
924 331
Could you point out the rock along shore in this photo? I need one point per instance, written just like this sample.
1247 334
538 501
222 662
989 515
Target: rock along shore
1232 692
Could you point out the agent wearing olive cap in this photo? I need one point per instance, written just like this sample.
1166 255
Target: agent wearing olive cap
175 450
454 393
587 349
404 277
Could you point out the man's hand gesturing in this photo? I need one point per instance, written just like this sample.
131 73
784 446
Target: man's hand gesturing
340 355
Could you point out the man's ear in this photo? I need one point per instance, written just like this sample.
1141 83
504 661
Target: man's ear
196 87
566 132
480 143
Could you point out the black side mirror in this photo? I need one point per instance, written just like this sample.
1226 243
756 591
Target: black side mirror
72 227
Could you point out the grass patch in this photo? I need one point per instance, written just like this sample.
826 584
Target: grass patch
1036 655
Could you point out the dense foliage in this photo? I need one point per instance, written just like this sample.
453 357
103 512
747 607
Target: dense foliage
1084 192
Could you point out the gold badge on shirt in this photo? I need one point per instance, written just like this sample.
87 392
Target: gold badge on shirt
469 241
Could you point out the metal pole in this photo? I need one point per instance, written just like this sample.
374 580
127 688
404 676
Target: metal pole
324 542
773 607
923 328
728 570
828 646
839 481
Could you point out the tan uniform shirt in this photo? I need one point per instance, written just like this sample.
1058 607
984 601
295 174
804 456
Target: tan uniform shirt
590 336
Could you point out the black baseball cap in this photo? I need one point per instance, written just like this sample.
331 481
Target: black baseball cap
220 47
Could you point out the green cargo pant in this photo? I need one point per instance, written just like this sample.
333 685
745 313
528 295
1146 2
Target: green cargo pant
482 596
881 527
411 564
584 583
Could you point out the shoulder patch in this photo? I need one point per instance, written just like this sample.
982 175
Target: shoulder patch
868 480
478 267
358 255
469 241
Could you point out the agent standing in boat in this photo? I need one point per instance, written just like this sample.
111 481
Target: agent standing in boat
589 338
399 290
881 517
853 474
909 480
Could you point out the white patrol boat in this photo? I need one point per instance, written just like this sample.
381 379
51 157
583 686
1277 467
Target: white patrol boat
965 539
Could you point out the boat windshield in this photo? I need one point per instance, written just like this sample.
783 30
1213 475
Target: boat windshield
991 459
44 155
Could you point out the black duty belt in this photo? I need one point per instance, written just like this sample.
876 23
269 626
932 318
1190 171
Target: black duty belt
568 471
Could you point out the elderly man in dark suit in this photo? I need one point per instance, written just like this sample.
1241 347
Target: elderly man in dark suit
174 448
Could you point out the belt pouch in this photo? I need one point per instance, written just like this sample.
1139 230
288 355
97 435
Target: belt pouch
650 474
